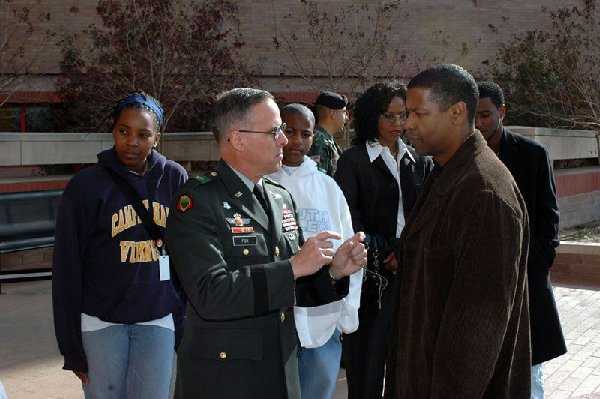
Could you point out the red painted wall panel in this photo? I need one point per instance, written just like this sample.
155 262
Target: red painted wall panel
26 186
568 184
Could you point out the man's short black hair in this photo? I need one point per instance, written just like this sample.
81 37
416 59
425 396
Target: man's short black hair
233 106
299 109
370 106
449 84
491 90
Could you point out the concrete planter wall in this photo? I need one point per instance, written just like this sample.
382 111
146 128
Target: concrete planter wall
562 144
578 189
24 149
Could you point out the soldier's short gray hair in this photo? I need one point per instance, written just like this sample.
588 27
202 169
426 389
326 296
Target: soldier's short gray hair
233 106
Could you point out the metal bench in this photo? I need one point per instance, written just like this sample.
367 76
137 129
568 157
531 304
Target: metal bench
27 222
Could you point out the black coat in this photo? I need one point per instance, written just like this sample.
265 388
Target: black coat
372 195
233 261
530 166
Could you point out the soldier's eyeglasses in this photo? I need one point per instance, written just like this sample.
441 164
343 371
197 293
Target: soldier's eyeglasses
391 117
275 132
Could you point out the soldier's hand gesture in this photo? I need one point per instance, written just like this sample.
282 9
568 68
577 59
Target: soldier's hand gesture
316 252
350 256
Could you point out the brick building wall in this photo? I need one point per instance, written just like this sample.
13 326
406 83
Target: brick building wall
467 32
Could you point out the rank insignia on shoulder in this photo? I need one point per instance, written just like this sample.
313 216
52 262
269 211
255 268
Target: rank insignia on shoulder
184 202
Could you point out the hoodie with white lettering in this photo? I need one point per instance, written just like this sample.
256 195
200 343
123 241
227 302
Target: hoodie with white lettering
321 206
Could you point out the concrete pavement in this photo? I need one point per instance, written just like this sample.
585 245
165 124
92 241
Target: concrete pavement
577 374
30 365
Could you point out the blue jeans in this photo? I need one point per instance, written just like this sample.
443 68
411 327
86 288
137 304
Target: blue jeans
129 361
319 368
537 382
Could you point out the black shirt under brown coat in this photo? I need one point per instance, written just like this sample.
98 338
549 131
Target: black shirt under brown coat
462 321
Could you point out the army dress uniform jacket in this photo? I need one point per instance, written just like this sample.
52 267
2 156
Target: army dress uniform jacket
233 262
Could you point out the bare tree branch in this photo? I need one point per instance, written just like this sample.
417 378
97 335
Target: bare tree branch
347 52
551 76
18 36
181 58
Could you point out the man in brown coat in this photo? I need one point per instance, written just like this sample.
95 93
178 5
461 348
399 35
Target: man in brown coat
462 322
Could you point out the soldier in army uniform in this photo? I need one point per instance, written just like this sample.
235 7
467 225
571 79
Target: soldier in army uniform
239 253
331 113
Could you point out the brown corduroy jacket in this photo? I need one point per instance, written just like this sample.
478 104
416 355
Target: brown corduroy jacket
462 322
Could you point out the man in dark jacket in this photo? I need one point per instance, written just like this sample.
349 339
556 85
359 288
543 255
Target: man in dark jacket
240 256
530 166
462 321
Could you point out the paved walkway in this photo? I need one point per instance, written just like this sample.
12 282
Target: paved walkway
30 366
577 374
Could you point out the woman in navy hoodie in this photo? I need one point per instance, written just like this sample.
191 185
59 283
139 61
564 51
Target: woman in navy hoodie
116 309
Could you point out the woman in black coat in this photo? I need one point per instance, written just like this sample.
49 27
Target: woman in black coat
381 178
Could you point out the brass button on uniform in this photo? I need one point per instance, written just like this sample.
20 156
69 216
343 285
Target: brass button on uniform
282 316
223 355
276 251
246 251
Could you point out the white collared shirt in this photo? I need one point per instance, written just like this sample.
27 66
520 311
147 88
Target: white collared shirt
374 150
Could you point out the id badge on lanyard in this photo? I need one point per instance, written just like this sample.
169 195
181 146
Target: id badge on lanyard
163 262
